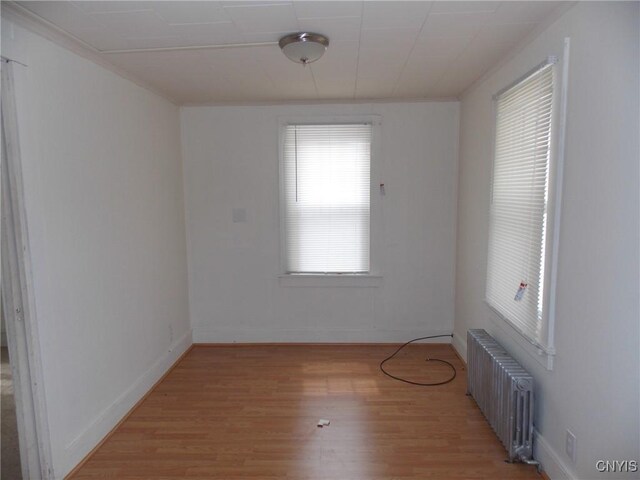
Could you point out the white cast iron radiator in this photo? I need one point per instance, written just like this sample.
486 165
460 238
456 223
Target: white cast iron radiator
504 392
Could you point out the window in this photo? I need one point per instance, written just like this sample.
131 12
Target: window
326 171
519 228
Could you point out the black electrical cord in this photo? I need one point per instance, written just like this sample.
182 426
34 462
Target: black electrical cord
428 360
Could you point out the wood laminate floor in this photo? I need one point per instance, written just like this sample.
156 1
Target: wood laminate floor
250 412
10 467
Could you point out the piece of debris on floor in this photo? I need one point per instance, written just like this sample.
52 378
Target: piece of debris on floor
323 423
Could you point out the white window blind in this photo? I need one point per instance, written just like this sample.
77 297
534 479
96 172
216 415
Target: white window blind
519 203
326 174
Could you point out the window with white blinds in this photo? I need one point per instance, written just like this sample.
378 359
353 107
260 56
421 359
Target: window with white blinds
518 229
326 175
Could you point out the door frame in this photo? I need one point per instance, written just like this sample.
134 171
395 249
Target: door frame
18 297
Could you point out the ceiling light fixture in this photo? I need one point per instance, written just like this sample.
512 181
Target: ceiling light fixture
304 47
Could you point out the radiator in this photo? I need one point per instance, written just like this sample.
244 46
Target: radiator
504 392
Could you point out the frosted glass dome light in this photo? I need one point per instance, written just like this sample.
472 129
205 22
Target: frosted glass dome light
304 47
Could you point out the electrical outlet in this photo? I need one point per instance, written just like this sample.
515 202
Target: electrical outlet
570 446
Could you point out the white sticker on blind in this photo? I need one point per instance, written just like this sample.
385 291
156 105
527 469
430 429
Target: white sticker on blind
519 203
327 198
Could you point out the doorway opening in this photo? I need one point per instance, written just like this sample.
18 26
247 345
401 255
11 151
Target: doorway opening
10 448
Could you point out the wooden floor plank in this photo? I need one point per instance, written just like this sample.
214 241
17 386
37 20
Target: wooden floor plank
250 412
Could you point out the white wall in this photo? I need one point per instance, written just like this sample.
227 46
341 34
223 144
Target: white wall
231 161
593 388
103 187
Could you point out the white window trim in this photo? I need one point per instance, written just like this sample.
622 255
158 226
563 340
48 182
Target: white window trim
545 355
374 277
330 280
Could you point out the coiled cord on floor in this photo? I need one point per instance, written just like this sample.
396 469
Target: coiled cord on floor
400 379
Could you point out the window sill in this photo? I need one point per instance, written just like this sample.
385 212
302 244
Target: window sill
543 357
330 280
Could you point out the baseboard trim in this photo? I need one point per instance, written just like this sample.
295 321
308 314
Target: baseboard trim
116 413
460 346
310 344
552 464
308 336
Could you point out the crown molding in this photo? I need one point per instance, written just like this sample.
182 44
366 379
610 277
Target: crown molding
24 18
323 101
21 16
537 31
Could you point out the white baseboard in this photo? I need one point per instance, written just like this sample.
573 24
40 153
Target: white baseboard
460 344
218 335
552 463
79 447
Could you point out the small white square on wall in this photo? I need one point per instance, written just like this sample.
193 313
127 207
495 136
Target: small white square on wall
239 215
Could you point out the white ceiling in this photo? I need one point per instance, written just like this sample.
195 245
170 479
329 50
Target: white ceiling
378 49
